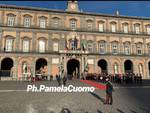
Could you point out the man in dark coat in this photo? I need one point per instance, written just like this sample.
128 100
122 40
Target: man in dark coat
109 90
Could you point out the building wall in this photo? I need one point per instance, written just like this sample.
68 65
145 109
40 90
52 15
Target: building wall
18 32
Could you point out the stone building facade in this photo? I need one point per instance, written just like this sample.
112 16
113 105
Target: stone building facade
34 38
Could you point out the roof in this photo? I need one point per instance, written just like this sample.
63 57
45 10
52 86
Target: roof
69 12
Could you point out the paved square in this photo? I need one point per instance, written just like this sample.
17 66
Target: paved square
14 99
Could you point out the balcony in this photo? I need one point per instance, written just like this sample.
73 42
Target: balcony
62 28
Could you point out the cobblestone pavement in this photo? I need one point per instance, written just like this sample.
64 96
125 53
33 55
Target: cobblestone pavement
13 99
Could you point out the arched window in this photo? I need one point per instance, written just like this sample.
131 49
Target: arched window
114 47
139 48
9 44
101 26
42 22
55 46
11 19
26 45
56 21
73 24
42 45
127 48
90 46
89 24
27 20
102 47
148 48
113 26
148 29
125 27
116 68
137 28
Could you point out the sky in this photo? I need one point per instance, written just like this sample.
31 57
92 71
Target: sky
128 8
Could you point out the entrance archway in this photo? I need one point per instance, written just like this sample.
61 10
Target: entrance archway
149 68
128 66
73 68
6 66
40 65
103 65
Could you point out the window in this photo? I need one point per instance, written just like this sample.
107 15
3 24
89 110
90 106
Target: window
55 46
148 48
89 25
114 48
137 28
90 47
139 48
9 45
148 29
116 68
102 47
127 48
125 28
25 45
73 24
42 22
101 27
11 20
27 21
42 46
56 22
113 27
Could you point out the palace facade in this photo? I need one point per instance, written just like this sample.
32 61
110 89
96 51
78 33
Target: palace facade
34 40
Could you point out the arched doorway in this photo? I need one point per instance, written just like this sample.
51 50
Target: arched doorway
40 66
103 66
149 68
73 68
128 66
6 67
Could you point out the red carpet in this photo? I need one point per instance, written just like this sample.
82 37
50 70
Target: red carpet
95 84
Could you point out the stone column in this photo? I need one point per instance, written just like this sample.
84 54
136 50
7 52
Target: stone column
144 46
135 67
34 42
1 36
15 71
18 19
108 50
95 45
17 48
33 67
120 46
109 67
107 26
2 18
35 20
50 43
133 49
62 43
49 67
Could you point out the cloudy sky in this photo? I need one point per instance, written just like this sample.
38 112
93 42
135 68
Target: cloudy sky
130 8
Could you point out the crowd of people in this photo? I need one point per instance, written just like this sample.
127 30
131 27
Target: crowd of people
128 78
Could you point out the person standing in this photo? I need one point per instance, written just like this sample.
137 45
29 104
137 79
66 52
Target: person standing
109 90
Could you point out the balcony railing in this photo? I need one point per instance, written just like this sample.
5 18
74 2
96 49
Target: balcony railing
62 28
81 52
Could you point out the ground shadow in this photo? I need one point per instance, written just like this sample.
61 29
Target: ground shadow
98 97
133 111
145 109
98 111
65 110
120 111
